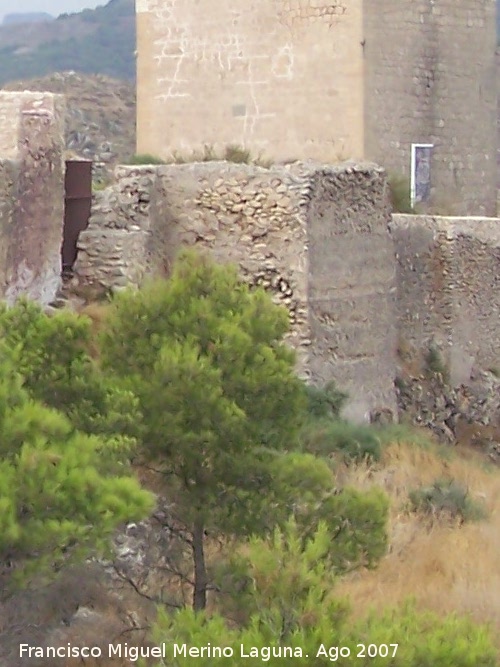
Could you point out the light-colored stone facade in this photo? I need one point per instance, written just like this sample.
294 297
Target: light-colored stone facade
315 236
31 194
283 77
328 80
448 275
430 77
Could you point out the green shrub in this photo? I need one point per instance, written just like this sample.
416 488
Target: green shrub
399 189
356 521
353 442
446 498
424 639
145 159
232 153
324 402
208 154
407 434
281 592
434 361
237 154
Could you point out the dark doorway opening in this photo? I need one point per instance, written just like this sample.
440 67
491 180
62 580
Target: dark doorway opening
77 205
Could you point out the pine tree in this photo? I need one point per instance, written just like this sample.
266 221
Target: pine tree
217 389
62 492
282 598
52 353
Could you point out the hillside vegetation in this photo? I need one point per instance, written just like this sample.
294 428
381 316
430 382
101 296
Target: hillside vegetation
276 523
27 17
94 41
444 563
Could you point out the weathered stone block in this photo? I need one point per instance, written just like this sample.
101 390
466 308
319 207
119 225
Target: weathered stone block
448 289
332 255
32 195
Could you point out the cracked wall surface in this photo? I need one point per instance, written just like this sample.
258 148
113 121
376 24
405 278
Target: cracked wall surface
31 194
283 78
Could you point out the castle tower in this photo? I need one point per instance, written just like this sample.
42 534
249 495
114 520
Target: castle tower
281 77
430 78
328 80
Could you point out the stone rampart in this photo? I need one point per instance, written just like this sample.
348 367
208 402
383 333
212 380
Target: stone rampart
321 240
31 194
448 275
352 286
315 236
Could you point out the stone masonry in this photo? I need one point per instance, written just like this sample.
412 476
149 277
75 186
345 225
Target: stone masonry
430 77
31 194
284 77
449 290
327 80
315 237
358 285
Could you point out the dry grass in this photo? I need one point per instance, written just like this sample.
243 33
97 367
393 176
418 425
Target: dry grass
445 568
97 312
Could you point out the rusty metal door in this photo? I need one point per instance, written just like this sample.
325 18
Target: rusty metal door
77 203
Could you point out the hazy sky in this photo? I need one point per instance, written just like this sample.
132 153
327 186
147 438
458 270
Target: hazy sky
54 7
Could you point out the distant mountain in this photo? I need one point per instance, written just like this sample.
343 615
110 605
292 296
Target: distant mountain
27 17
94 41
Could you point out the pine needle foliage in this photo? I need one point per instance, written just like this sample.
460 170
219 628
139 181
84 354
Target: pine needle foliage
282 609
216 385
60 497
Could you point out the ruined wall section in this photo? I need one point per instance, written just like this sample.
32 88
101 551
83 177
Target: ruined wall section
315 237
246 215
112 250
425 305
9 179
449 290
32 199
430 77
352 288
241 214
284 77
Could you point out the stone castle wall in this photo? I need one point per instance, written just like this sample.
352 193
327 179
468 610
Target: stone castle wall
31 194
319 238
430 77
352 288
284 77
300 79
357 283
448 274
316 237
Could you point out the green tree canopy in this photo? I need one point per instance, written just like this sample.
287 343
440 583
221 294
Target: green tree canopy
216 385
52 354
283 599
61 492
304 488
